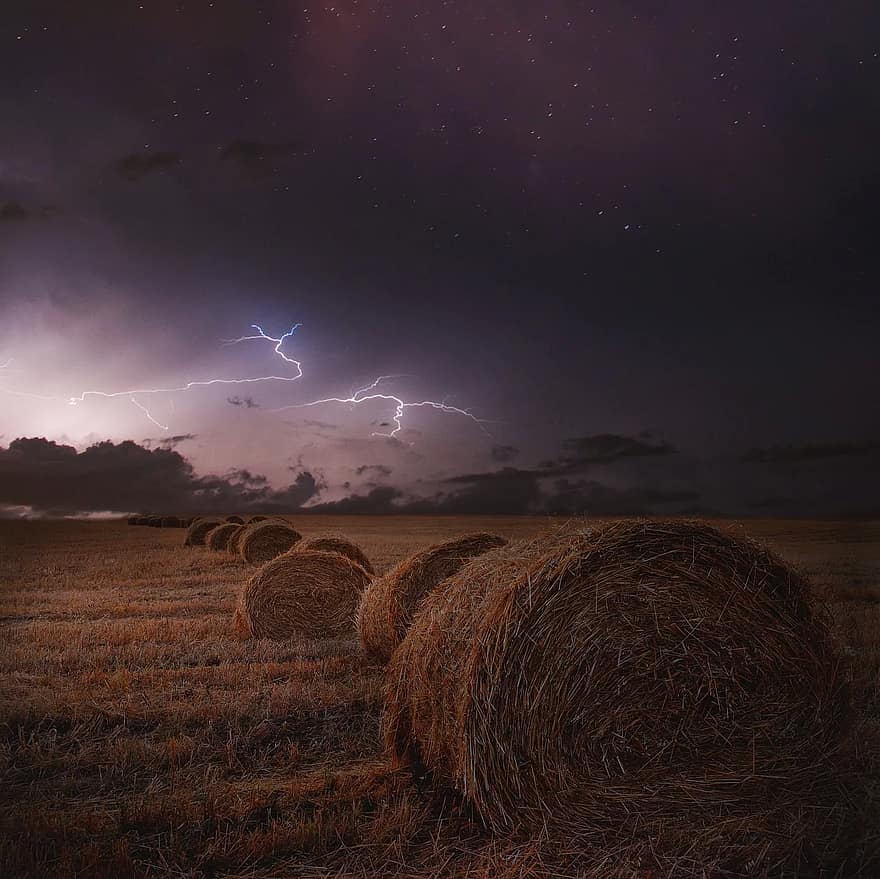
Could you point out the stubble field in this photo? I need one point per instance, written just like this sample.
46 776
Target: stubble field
140 737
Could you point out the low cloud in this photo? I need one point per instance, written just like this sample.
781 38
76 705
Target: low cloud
55 479
598 499
13 212
504 454
169 442
377 469
136 166
378 501
808 452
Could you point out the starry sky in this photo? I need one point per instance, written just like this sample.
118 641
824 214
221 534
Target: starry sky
634 240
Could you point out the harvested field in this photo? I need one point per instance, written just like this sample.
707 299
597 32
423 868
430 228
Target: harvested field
139 737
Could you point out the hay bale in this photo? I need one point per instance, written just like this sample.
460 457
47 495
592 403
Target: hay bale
310 594
198 532
234 545
266 540
235 520
254 519
659 687
169 522
218 538
337 543
388 605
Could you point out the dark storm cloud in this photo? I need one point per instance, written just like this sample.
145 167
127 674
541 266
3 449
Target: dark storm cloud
378 469
504 454
256 159
517 492
774 504
136 166
580 454
605 448
247 402
172 441
377 501
807 452
246 477
595 498
13 212
56 479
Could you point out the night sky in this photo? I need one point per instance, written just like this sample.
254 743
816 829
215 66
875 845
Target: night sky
635 240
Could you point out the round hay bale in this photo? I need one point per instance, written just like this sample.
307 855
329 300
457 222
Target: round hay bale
388 605
235 520
266 540
234 545
197 533
337 543
655 684
218 538
310 594
169 522
254 519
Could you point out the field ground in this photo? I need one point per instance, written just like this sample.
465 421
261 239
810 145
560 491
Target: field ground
139 737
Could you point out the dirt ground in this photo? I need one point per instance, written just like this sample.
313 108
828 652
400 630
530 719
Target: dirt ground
140 737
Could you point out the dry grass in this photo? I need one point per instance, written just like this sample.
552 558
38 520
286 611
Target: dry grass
387 607
139 737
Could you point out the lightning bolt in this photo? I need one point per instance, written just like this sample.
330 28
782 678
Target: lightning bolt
132 393
278 343
202 383
366 395
147 413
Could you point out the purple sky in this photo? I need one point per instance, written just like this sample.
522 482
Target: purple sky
633 238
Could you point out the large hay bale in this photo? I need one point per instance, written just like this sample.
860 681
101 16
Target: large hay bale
218 538
197 533
337 543
659 687
310 594
169 522
254 519
388 605
266 540
235 520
